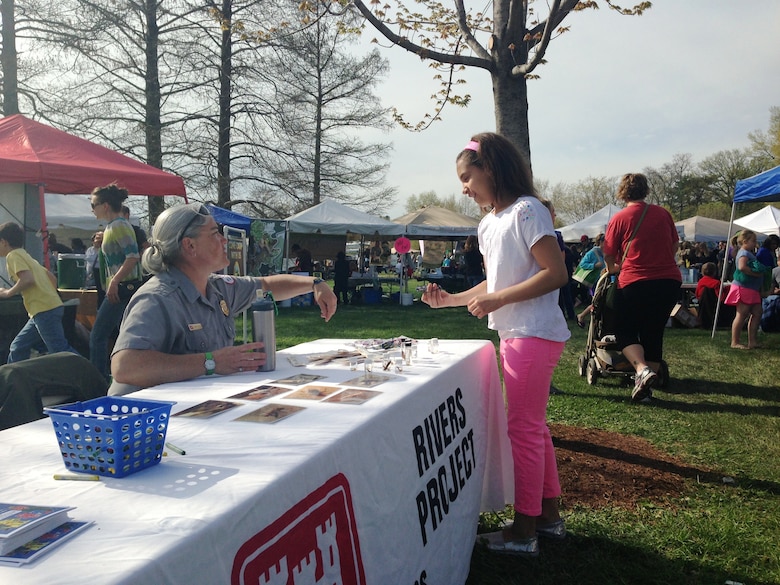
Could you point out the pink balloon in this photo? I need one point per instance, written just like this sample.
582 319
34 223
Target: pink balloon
403 245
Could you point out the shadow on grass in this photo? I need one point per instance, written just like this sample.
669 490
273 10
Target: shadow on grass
592 560
605 452
688 386
664 398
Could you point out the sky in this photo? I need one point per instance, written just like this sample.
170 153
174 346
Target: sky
617 94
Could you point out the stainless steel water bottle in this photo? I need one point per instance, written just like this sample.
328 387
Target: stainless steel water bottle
264 328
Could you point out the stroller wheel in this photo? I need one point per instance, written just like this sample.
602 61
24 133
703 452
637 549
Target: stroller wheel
663 375
581 365
591 372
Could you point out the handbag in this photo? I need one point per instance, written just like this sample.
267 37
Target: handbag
127 288
586 276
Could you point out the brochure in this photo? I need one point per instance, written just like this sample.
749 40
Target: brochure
37 547
20 523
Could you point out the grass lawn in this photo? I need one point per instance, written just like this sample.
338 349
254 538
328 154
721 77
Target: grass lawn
721 411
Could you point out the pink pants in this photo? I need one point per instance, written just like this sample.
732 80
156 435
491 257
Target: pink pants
528 365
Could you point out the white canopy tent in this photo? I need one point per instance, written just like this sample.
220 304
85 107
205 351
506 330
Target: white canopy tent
334 218
702 229
764 221
438 222
591 226
331 218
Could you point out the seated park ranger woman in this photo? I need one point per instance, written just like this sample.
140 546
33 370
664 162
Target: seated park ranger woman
181 323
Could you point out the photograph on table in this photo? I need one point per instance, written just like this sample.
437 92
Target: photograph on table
313 392
270 413
260 393
206 409
299 379
368 380
352 396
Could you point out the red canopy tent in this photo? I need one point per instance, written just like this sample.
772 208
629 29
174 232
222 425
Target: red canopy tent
57 162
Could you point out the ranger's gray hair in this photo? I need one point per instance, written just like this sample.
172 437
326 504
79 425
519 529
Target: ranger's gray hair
173 224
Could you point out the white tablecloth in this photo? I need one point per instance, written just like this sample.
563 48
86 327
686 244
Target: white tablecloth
387 491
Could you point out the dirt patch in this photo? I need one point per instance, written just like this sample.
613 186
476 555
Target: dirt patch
599 468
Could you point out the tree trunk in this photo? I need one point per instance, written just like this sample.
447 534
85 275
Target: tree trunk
510 99
10 82
153 130
223 141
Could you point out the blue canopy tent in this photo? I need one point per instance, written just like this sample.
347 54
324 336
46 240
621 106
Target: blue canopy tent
230 218
761 187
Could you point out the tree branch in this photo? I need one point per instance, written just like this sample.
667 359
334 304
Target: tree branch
556 16
421 52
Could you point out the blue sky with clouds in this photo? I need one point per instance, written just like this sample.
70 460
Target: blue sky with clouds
617 94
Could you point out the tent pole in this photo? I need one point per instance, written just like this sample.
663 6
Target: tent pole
44 227
723 271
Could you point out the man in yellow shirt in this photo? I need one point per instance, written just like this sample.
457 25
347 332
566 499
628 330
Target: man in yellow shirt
43 304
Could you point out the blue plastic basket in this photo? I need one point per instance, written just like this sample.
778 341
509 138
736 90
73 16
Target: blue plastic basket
111 436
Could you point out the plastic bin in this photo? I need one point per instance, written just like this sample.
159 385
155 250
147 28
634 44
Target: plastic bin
111 436
371 296
71 271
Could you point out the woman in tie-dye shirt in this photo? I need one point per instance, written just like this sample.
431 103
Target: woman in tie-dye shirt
118 263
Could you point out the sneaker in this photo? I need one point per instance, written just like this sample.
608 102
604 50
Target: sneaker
643 382
555 530
526 547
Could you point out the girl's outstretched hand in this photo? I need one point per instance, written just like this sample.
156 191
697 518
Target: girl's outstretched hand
434 296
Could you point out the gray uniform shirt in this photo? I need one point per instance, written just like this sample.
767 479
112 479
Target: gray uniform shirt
169 315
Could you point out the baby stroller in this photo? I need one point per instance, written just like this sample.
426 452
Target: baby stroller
602 356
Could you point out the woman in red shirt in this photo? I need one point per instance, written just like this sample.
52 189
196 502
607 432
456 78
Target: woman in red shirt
648 282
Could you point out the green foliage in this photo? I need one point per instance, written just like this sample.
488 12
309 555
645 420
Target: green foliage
456 203
767 144
721 412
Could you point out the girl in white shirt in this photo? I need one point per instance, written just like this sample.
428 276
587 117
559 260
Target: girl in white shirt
524 270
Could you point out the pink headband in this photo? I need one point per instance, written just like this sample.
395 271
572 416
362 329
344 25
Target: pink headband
472 145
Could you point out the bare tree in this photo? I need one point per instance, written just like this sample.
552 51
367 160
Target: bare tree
323 96
514 41
8 59
105 64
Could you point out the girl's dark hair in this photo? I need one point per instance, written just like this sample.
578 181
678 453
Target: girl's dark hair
112 194
632 187
505 165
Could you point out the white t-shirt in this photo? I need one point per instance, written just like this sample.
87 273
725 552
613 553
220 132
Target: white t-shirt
505 239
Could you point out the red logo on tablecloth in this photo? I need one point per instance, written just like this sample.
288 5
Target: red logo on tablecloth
314 542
